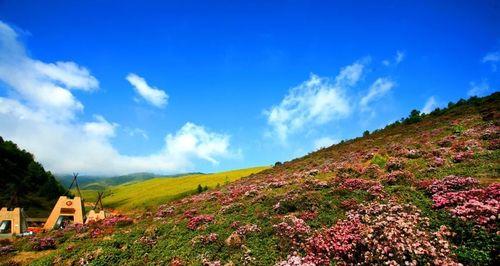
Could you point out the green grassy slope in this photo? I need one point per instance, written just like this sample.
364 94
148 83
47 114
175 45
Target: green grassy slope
160 190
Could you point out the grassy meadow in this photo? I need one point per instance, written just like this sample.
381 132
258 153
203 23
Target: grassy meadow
152 192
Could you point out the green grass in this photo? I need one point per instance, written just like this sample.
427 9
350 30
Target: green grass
160 190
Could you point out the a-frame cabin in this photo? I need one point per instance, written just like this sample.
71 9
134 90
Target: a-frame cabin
67 210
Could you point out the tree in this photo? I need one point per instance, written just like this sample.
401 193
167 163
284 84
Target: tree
366 133
199 189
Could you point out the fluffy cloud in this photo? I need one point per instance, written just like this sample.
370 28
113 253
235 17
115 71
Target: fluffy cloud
479 89
430 105
38 84
314 102
324 142
41 115
493 58
376 91
152 95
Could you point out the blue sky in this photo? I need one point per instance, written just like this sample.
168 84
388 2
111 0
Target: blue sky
108 87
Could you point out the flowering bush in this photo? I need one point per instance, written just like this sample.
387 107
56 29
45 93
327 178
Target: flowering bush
118 220
462 156
349 204
6 249
483 213
293 231
308 215
482 206
373 171
205 239
196 221
394 164
164 211
451 183
373 187
413 154
397 177
248 228
390 234
44 243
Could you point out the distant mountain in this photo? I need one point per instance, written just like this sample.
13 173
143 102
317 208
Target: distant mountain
91 182
25 183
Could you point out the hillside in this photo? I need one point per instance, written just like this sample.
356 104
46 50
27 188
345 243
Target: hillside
101 183
422 191
24 182
159 190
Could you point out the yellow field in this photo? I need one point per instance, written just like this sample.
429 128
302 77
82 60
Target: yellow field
160 190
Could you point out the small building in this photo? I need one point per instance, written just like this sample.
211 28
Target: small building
12 221
65 211
93 216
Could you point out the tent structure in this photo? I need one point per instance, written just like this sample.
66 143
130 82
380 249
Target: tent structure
96 216
67 210
12 221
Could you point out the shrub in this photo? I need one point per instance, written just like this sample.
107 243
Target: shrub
292 231
196 221
376 233
44 243
451 183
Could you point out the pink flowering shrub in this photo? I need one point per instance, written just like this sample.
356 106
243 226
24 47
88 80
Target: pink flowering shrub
349 204
484 213
196 221
118 220
482 206
247 229
397 177
6 249
376 233
308 215
451 183
164 211
413 154
338 242
437 162
462 156
394 164
43 243
371 186
292 231
205 239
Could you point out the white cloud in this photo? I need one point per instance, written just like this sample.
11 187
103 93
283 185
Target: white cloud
376 91
479 89
100 128
154 96
400 56
39 84
41 116
314 102
493 58
324 142
430 105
